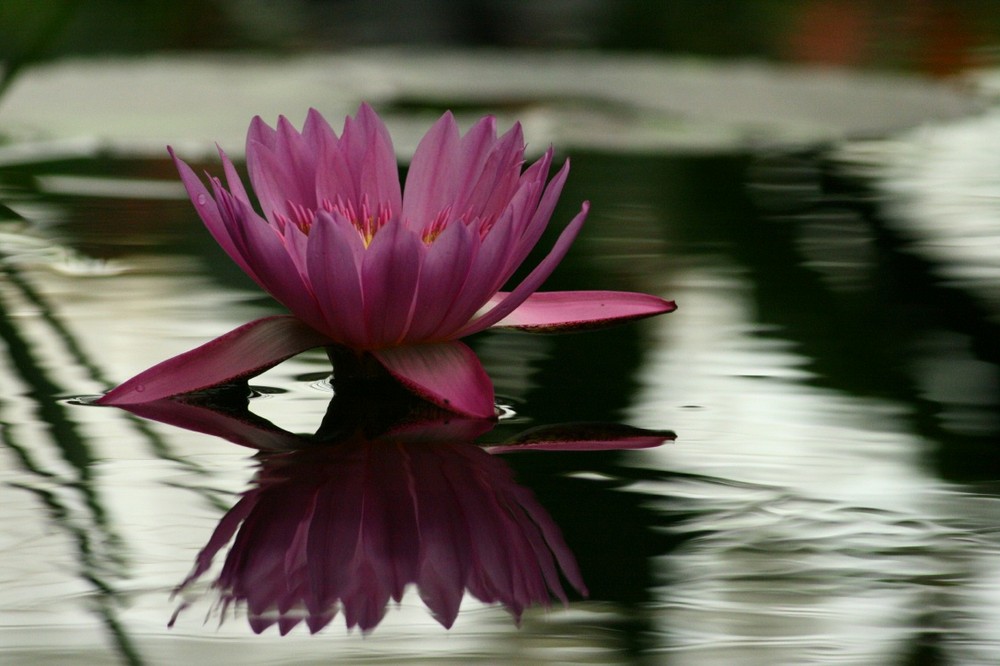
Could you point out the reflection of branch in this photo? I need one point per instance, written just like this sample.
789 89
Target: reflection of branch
44 312
92 560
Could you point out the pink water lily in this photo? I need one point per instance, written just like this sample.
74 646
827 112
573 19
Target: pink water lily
397 274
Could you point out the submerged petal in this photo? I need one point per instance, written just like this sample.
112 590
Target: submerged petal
447 374
241 353
553 311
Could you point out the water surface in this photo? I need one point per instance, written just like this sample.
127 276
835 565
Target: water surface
831 496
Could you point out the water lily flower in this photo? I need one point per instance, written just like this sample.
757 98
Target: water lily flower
394 274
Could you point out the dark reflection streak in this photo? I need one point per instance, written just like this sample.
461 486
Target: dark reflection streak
22 453
45 313
877 328
42 389
618 533
60 16
80 357
77 454
862 342
104 602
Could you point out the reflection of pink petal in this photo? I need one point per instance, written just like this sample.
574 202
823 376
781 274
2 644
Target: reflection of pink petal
582 437
555 311
447 374
350 523
241 353
243 428
353 525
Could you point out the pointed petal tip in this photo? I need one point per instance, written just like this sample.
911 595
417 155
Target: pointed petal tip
313 115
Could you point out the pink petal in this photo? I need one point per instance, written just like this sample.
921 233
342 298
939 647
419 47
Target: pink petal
473 154
486 276
367 147
552 311
299 160
539 220
331 178
262 133
317 132
499 178
334 263
266 253
271 179
447 374
445 269
534 280
243 352
233 180
208 211
389 277
428 180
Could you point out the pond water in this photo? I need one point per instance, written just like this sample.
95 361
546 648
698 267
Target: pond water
831 494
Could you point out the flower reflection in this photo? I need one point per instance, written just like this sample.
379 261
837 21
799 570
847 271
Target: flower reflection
349 518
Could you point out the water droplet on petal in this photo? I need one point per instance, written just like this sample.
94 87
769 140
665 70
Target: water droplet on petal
139 388
202 199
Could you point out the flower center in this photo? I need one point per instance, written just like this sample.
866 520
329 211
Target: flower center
437 225
481 225
366 219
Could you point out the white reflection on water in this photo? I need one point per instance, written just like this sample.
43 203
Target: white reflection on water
941 190
819 535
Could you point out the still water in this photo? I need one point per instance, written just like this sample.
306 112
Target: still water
830 495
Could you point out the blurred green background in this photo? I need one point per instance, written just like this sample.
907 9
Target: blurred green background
937 37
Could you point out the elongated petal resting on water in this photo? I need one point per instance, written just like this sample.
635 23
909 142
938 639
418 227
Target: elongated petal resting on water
554 311
243 352
390 273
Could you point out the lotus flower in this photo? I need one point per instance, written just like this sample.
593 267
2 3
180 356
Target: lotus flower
396 275
344 521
